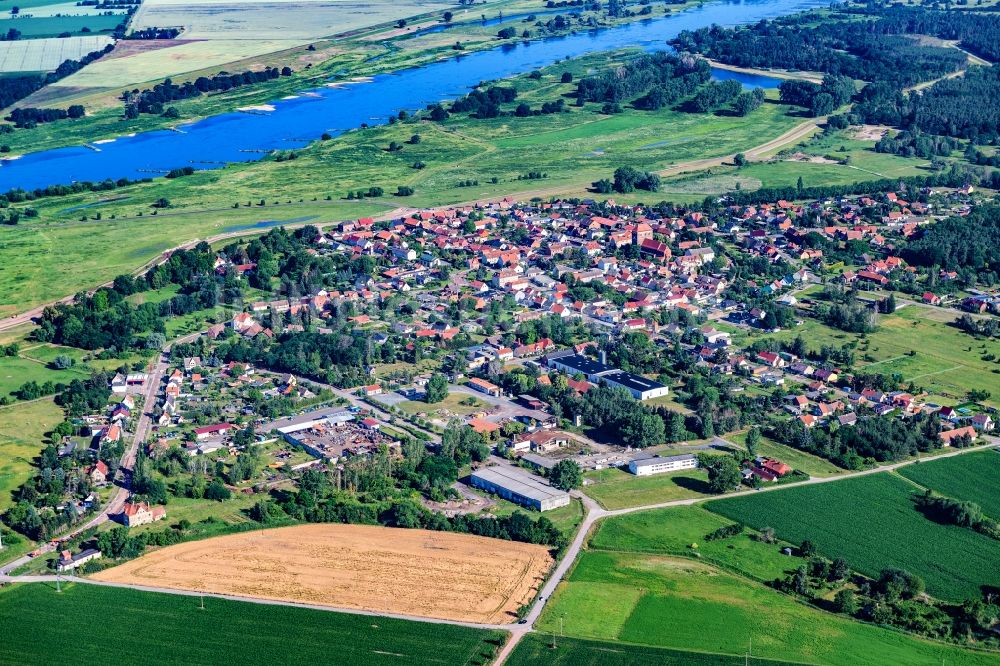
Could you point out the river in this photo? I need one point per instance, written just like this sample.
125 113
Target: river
247 136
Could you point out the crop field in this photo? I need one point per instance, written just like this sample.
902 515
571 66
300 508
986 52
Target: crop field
48 8
673 531
410 572
146 628
974 478
298 20
158 64
53 26
22 429
872 523
43 55
538 650
683 604
617 489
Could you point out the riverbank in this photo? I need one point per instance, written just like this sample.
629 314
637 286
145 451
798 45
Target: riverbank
814 77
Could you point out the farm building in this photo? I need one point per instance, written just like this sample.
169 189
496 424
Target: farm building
67 561
519 488
658 465
484 386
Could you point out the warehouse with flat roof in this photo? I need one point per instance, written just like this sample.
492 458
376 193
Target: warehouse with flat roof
660 465
519 487
641 388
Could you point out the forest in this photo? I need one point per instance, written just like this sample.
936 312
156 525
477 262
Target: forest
971 242
876 45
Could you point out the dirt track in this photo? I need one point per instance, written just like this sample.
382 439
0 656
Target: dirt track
411 572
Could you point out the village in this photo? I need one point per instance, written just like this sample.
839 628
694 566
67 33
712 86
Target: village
510 314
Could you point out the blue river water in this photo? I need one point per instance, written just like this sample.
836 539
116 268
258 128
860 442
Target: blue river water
242 136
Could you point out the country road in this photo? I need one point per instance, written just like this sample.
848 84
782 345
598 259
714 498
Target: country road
594 514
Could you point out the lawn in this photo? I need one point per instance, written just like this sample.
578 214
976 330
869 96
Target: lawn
871 522
451 404
148 628
22 430
974 477
566 518
16 370
674 530
686 605
617 489
800 460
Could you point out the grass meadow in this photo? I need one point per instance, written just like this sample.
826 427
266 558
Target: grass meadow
871 522
912 342
614 488
148 628
974 477
22 428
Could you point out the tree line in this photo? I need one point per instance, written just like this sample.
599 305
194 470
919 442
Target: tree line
151 100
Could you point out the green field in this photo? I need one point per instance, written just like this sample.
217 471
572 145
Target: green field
974 477
871 522
22 429
617 489
686 605
947 363
53 26
537 650
451 404
146 628
673 531
800 460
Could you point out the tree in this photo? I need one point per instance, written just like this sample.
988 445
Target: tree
62 362
753 442
807 548
723 472
567 77
217 491
436 389
838 570
740 160
845 602
566 475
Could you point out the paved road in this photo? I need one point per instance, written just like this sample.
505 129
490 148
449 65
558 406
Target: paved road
127 461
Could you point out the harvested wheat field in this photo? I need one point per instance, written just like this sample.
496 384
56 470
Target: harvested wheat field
410 572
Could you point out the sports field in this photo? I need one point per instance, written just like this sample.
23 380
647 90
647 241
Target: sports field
43 55
409 572
871 522
42 626
974 478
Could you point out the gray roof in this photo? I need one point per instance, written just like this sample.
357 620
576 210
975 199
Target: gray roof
632 381
540 461
518 482
580 363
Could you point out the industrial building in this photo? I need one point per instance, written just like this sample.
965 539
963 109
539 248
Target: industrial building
519 487
640 387
658 465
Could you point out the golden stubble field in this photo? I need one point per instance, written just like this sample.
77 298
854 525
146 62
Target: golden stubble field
410 572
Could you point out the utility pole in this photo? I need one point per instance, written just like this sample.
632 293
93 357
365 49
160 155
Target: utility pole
202 606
